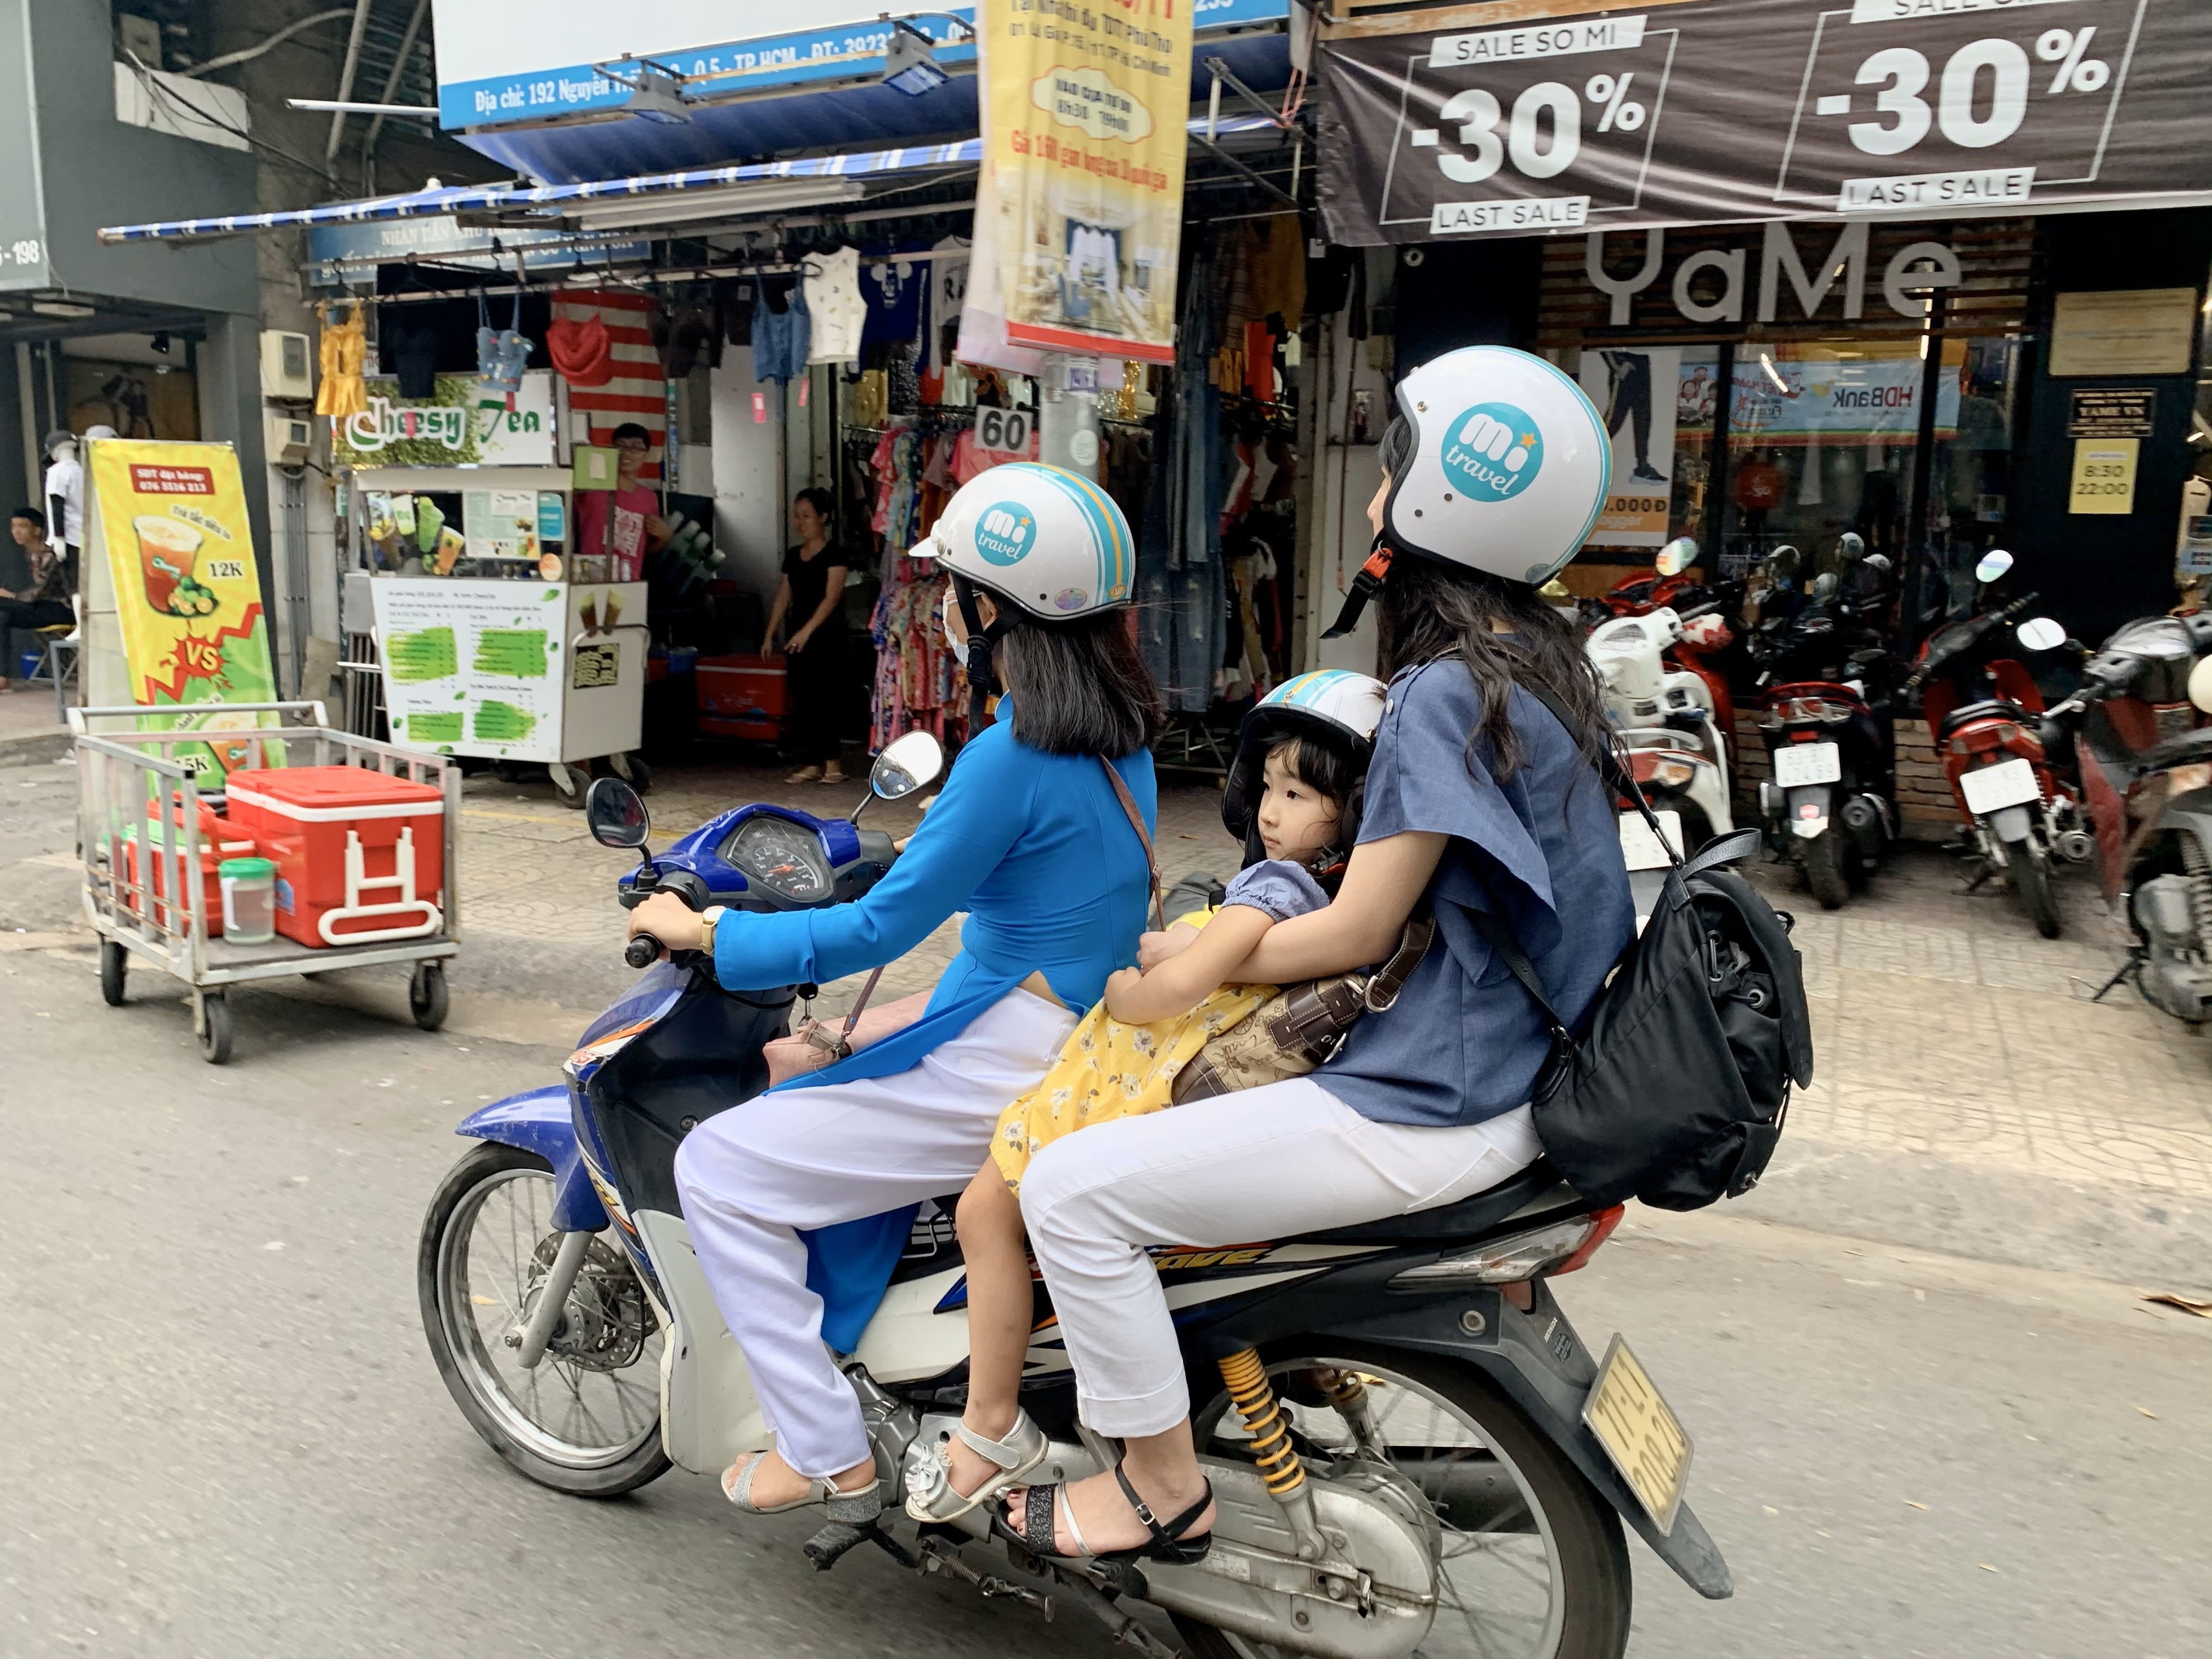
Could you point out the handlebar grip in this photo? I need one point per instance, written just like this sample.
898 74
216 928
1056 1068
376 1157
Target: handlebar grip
642 952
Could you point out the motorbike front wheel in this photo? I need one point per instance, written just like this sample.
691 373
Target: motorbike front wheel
584 1420
2031 879
1531 1562
1825 856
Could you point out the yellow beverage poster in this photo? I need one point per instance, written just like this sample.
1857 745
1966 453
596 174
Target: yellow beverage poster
187 597
1084 109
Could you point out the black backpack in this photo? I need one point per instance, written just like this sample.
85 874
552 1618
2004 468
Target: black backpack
1676 1091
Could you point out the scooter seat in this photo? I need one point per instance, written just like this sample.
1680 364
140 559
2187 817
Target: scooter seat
1535 1195
2175 751
1990 709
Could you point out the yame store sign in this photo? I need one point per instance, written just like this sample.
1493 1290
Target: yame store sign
1716 285
1709 111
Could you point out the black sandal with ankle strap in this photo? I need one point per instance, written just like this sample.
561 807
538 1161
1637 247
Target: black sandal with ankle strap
1043 1506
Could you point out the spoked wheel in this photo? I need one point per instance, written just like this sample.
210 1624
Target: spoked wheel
587 1420
1531 1563
2030 869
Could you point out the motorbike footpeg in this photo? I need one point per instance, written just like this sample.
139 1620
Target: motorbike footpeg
838 1539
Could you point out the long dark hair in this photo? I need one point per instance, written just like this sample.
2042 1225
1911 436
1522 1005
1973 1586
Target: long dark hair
1080 688
1429 609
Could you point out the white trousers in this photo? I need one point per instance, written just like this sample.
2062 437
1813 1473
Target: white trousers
752 1176
1263 1164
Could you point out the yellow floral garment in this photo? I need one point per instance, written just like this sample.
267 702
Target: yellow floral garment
1107 1070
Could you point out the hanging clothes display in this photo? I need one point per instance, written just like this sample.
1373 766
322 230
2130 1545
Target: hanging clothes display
344 352
833 303
781 331
501 356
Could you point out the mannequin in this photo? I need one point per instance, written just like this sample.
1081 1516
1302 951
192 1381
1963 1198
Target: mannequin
64 486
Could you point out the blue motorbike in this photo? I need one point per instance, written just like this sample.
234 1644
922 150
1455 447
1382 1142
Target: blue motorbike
1411 1449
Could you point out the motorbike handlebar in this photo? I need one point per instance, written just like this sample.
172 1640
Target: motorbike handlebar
643 951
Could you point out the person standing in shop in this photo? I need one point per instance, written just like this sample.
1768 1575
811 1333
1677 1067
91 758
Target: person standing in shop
637 527
812 589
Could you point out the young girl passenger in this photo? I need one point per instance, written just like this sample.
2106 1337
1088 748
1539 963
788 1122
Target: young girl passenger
1292 796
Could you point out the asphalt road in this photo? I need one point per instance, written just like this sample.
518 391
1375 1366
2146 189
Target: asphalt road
225 1436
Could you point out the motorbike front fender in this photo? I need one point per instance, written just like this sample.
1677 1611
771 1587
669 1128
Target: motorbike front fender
1543 1367
541 1121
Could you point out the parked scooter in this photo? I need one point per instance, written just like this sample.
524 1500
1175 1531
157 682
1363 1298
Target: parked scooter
1703 610
1664 715
1828 806
1984 716
2138 731
1455 1454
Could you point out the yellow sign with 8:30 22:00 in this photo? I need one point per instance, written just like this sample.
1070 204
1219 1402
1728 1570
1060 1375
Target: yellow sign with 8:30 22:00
2104 476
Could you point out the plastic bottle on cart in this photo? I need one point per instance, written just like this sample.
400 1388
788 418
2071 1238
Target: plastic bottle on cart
249 900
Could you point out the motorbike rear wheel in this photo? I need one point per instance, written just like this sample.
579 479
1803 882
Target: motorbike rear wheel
1532 1563
587 1420
2030 869
1825 856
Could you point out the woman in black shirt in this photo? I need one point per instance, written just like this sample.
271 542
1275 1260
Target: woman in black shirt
812 589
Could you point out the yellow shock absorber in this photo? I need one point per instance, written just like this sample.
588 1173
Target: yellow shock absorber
1253 1396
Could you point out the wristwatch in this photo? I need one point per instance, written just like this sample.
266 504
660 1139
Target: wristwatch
708 918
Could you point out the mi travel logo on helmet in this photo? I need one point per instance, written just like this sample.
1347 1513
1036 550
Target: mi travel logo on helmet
1006 533
1493 451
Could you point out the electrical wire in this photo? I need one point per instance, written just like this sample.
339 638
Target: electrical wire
273 42
170 95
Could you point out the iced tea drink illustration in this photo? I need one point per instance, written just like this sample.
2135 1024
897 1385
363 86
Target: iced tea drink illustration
167 551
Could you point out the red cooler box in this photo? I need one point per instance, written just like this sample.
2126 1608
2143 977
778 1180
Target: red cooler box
360 857
741 698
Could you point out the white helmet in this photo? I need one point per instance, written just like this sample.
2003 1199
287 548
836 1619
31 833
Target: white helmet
1509 467
1054 544
1333 704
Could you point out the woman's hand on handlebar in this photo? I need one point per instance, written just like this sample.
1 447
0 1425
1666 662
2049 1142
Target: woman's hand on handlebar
668 919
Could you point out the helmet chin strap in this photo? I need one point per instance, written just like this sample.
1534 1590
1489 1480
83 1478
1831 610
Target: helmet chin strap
982 676
1364 586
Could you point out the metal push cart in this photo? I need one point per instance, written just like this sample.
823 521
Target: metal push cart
138 831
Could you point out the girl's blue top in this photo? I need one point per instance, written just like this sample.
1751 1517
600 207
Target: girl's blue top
1037 849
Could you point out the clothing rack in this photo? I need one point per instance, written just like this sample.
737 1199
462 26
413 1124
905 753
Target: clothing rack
606 277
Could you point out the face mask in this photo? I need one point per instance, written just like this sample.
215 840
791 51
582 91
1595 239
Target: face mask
948 617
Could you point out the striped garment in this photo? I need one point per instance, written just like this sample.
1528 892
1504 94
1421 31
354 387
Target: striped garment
639 390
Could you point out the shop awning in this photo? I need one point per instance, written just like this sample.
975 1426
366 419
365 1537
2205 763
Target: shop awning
606 204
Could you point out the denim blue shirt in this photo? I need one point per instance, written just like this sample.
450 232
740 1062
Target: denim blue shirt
1541 849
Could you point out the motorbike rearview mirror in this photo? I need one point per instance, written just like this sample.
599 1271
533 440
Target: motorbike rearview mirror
907 764
616 814
2041 633
1676 556
1992 565
2200 684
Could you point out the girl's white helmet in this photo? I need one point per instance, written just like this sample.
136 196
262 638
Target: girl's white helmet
1332 704
1508 468
1054 544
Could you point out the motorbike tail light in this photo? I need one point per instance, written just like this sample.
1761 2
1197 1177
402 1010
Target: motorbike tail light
1673 774
1559 1248
1770 720
2008 732
1835 714
1960 746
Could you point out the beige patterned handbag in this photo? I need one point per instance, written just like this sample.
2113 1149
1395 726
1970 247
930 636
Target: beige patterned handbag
1300 1026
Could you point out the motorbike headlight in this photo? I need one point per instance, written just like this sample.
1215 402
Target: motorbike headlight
1559 1248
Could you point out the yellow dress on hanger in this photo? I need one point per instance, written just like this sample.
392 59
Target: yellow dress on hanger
344 350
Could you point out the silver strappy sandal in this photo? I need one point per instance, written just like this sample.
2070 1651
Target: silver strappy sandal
930 1494
860 1506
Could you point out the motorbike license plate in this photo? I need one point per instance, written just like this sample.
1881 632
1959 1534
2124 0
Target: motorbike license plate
1641 848
1640 1433
1799 763
2008 783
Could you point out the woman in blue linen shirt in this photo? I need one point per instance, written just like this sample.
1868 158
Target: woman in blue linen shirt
1478 799
1031 838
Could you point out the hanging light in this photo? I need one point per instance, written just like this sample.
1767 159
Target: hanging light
909 66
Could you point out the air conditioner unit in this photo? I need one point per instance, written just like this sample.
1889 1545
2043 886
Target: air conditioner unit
291 438
288 366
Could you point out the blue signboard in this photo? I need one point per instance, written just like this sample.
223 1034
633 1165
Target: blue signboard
794 60
331 247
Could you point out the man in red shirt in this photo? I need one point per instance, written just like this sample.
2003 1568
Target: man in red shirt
637 527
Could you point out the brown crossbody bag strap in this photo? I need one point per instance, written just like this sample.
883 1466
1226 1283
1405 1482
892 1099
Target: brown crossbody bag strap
1137 823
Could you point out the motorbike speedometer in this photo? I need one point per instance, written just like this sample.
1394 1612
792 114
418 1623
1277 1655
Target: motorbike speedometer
784 857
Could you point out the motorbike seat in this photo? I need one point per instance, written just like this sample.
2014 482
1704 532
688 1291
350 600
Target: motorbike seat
1536 1194
1991 708
2175 751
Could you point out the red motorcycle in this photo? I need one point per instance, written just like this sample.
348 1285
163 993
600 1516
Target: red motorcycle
1984 716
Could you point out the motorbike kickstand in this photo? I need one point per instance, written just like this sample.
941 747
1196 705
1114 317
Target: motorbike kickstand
1124 1626
2127 971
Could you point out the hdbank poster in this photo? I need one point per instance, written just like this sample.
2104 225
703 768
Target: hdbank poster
1083 122
171 521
